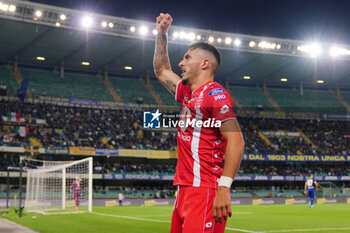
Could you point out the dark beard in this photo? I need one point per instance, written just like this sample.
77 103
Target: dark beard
184 81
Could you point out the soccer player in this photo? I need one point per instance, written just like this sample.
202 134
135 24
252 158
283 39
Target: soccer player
76 187
310 185
120 198
203 201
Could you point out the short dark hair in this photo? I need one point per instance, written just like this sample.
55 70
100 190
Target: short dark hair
207 47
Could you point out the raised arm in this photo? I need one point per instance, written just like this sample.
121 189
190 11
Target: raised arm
161 63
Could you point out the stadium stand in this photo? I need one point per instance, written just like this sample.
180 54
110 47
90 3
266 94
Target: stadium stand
7 79
250 97
167 98
131 89
290 100
81 86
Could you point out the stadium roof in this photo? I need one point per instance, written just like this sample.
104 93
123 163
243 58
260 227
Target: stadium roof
28 36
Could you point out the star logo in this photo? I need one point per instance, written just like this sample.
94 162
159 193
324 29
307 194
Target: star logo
151 120
156 115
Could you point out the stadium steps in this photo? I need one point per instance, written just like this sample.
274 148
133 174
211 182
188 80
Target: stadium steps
235 101
312 100
322 101
80 86
167 98
19 78
271 100
262 136
249 97
130 89
151 90
306 138
111 90
341 99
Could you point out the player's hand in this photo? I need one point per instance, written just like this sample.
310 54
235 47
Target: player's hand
163 22
222 205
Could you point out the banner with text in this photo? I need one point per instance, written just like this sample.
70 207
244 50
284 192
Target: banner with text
297 158
57 150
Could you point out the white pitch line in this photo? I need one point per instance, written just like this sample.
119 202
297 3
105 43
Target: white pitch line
133 218
241 230
241 213
296 230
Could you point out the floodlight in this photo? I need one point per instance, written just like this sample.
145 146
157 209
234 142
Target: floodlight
12 8
198 37
278 46
228 40
237 42
182 35
58 24
85 63
38 13
284 80
251 43
191 36
86 21
143 30
262 44
4 7
313 49
336 51
40 58
219 40
63 17
211 39
176 35
155 32
110 25
128 67
246 77
132 29
104 24
320 81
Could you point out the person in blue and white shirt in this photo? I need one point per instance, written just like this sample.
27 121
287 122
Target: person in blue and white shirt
310 185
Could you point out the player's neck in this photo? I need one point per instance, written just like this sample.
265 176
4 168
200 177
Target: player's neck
201 80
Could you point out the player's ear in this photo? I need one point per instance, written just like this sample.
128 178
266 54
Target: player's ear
205 64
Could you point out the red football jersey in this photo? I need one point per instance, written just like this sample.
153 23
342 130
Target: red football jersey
201 147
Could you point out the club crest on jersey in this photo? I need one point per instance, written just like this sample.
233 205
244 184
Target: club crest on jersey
216 91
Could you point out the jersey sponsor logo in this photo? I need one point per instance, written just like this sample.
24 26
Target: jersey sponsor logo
216 91
224 109
220 97
184 137
208 224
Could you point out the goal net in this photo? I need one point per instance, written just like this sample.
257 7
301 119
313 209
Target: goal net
58 186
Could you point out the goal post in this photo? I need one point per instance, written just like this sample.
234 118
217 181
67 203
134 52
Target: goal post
58 186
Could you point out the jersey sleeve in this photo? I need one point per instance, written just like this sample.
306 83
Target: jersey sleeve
181 91
221 104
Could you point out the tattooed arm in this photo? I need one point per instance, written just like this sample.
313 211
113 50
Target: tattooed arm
161 63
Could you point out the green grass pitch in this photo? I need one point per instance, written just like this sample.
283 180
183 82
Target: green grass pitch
331 218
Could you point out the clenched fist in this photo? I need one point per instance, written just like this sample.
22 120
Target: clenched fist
163 22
